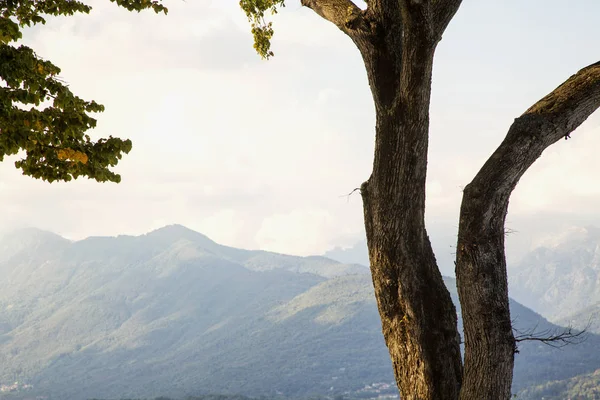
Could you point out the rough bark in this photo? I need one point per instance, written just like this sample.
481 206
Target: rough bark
418 318
342 13
397 40
481 263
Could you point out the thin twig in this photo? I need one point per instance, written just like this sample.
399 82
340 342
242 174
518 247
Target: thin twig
350 194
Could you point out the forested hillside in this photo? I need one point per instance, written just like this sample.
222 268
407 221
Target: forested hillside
173 313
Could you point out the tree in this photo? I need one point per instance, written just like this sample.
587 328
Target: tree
397 40
38 112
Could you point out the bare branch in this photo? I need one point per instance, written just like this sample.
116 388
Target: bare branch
351 193
342 13
552 337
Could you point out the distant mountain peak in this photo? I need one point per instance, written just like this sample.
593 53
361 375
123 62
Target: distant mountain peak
29 240
177 231
571 236
175 226
31 236
31 232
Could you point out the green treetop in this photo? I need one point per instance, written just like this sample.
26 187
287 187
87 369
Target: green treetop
38 112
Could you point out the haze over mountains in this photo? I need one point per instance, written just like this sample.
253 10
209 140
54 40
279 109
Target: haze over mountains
561 278
174 313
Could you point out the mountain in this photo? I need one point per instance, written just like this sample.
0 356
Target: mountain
562 277
174 313
358 253
115 313
558 279
588 319
258 260
31 240
583 387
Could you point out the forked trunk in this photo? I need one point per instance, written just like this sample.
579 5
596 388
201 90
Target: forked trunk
397 41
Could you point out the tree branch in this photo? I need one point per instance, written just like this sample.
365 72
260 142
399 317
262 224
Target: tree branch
551 337
570 104
342 13
555 116
481 260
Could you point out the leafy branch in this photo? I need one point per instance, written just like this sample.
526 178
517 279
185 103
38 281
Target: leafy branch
38 112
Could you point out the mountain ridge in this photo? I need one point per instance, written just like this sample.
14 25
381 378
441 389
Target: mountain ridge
178 315
168 235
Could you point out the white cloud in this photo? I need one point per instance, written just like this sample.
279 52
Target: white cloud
303 231
261 154
566 177
225 226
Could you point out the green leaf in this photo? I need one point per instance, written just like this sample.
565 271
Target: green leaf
55 138
261 29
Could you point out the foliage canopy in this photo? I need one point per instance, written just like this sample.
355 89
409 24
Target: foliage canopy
38 112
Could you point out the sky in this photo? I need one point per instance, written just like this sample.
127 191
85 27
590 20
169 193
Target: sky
263 154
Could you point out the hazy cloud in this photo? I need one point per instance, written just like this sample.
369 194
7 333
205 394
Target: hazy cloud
262 154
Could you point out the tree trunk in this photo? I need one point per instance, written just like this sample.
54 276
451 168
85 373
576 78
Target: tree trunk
417 314
483 292
418 317
480 257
